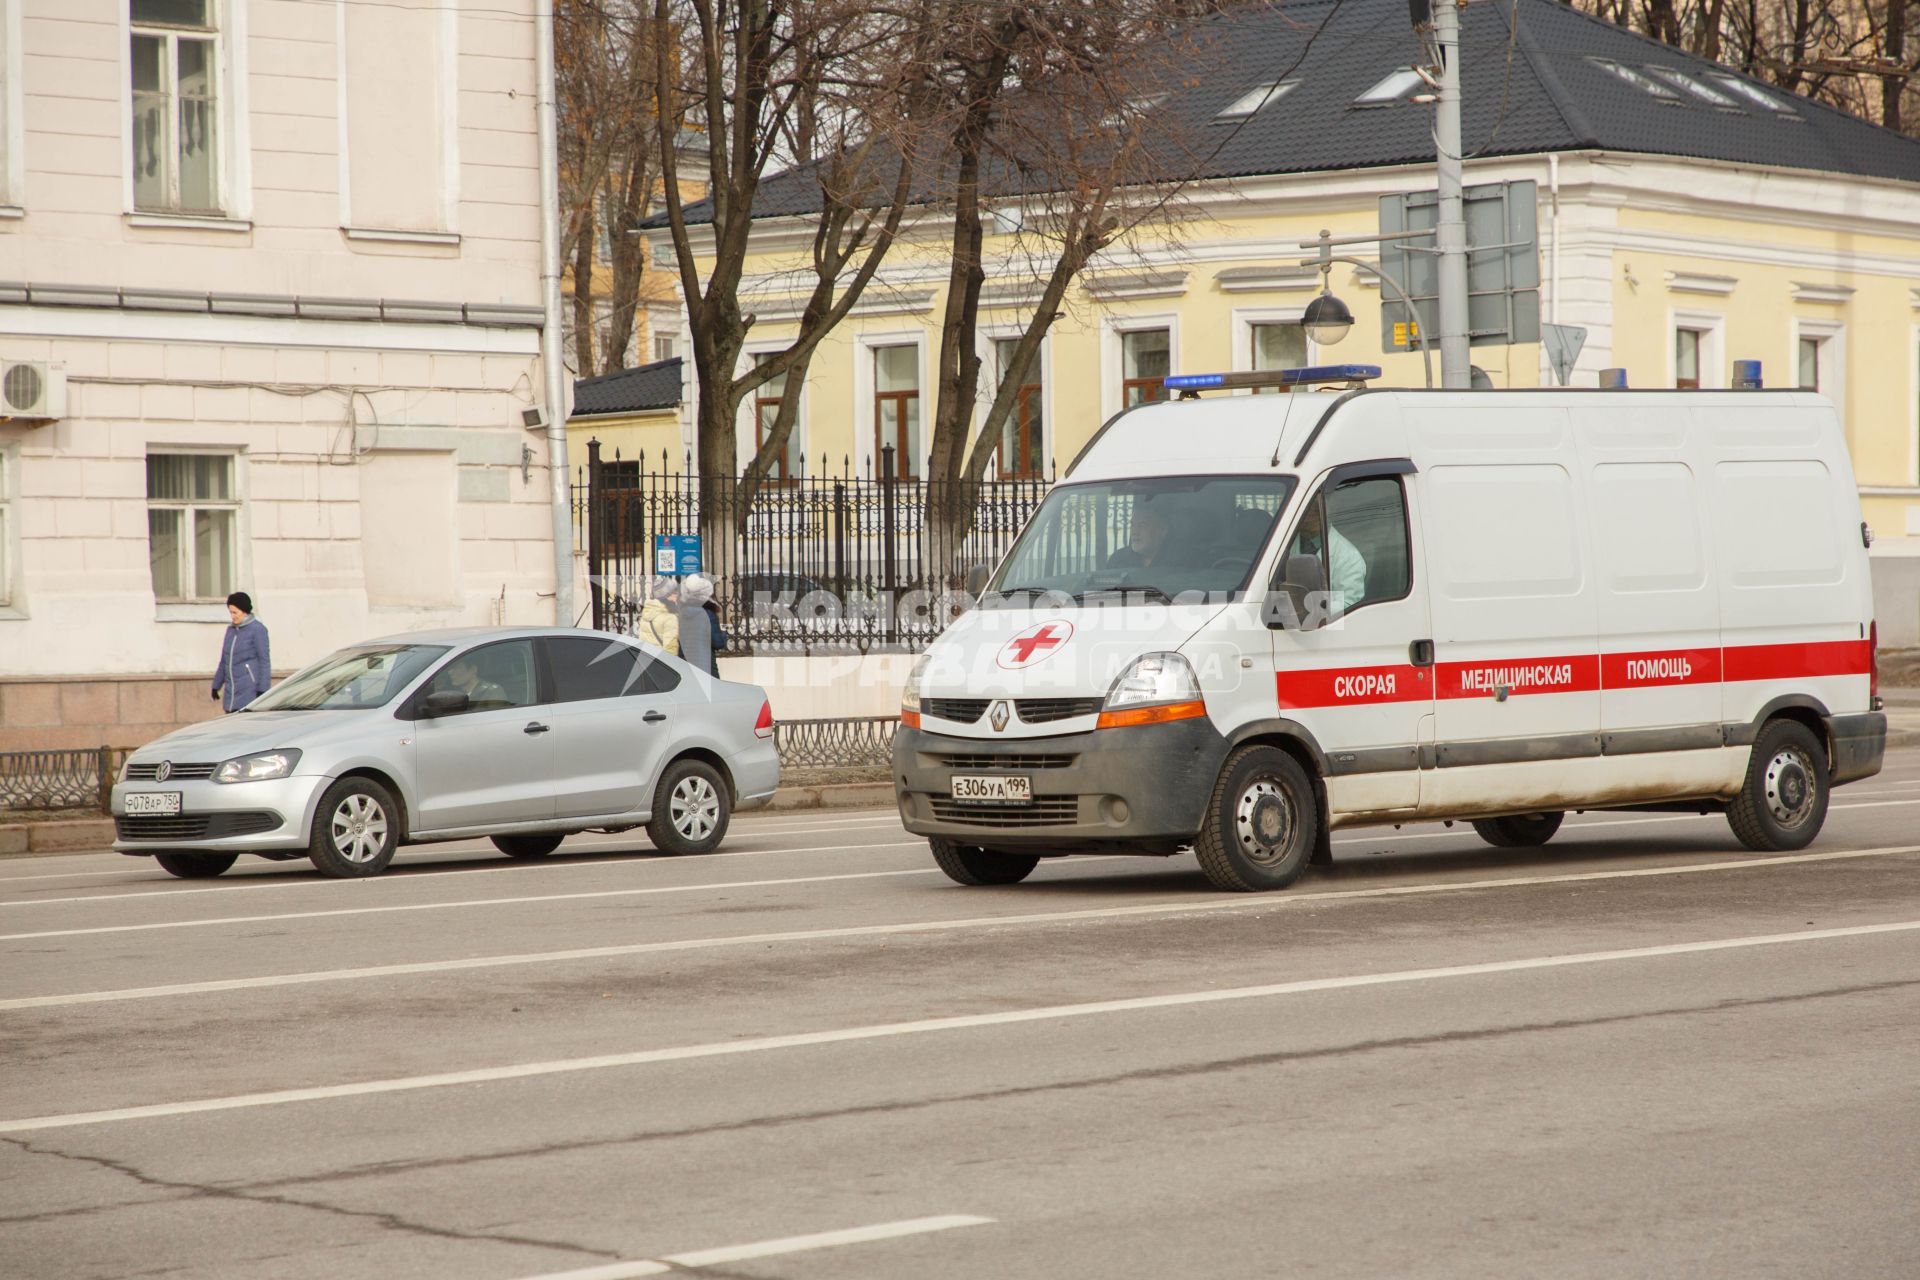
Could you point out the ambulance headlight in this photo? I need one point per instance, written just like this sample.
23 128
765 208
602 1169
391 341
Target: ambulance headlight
910 695
1152 679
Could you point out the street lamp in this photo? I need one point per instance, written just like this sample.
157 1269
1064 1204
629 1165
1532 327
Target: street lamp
1327 320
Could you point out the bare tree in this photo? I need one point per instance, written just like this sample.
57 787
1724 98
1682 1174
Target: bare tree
608 144
1046 111
814 87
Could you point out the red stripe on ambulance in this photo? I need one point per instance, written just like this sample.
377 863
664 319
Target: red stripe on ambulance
1572 673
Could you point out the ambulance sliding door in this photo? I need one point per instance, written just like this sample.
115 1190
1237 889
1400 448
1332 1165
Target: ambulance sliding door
1363 684
1517 687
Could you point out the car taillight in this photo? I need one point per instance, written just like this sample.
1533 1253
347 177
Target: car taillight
763 724
1873 663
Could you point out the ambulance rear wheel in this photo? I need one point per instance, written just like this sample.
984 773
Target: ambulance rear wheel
1261 824
1783 803
967 864
1521 831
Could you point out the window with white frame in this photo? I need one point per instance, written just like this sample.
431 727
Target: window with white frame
896 409
1146 358
1023 441
193 523
175 57
1278 345
1687 346
1810 353
663 347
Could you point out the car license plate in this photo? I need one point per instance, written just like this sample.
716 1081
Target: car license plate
992 788
153 802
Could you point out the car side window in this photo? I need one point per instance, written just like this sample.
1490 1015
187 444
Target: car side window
1357 530
494 676
656 677
587 669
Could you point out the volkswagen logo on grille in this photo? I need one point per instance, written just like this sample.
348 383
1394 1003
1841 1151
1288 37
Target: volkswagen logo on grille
164 772
998 716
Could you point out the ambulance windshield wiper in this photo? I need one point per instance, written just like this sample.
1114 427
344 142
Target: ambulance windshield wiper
1145 589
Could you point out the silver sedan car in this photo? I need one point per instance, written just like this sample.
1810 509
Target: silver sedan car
521 735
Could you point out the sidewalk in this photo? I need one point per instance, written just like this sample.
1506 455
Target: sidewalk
86 831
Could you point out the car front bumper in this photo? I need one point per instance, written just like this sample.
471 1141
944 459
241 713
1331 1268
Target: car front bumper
1141 789
271 816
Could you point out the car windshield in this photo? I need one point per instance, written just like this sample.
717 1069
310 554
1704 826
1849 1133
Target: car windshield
368 676
1160 536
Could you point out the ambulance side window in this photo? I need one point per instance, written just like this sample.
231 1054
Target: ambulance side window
1358 532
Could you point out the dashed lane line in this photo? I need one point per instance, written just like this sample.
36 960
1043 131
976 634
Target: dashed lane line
923 1026
767 1248
1175 907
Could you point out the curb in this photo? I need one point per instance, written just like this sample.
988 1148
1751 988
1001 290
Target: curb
845 795
38 839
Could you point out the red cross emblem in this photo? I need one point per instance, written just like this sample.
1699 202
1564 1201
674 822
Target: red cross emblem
1035 643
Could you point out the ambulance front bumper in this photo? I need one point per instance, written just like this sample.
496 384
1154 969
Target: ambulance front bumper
1139 789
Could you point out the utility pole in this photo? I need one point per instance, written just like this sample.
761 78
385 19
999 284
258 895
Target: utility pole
1451 241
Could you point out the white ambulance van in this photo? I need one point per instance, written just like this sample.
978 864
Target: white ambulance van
1241 622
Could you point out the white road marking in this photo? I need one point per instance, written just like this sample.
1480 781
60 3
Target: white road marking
1464 826
321 882
1174 907
768 1248
136 872
465 902
885 1030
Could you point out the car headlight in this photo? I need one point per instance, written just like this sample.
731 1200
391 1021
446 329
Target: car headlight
910 694
268 764
1158 687
125 765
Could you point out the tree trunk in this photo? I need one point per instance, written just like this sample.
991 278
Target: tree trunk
1893 88
583 335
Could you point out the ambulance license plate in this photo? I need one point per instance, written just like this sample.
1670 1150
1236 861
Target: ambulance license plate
153 802
992 788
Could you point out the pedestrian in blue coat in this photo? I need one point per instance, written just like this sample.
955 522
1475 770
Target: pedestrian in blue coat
245 668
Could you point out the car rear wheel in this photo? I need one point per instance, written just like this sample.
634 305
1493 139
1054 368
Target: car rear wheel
195 866
1261 824
527 846
1520 831
355 829
1783 803
968 864
691 809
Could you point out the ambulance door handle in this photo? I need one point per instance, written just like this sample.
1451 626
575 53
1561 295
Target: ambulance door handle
1420 653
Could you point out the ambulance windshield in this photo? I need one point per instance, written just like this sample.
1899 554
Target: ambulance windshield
1160 536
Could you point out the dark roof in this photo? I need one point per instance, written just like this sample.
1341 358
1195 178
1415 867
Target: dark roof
651 386
1550 95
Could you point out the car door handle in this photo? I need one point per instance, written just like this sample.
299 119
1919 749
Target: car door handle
535 727
654 717
1420 653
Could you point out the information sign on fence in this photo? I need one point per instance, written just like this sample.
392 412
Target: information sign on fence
676 554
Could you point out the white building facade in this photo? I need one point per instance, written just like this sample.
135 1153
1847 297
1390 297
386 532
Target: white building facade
277 262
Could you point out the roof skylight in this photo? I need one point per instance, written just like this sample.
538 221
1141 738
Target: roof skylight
1646 84
1753 93
1392 89
1712 97
1255 98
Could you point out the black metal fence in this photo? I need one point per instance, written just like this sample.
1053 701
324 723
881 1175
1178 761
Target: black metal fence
58 779
845 743
813 562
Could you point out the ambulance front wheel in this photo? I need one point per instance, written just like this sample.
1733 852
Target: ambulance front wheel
1261 823
1783 803
1521 831
967 864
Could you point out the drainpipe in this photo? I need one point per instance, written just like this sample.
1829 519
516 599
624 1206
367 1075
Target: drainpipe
552 367
1553 232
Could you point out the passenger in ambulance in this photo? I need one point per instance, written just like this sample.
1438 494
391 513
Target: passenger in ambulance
1346 567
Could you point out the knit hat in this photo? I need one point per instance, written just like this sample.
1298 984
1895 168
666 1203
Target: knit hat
696 590
241 601
664 588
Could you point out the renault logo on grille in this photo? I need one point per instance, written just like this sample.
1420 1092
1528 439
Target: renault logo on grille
164 772
998 717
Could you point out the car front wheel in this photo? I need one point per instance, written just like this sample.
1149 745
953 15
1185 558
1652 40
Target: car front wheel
1262 823
355 829
691 809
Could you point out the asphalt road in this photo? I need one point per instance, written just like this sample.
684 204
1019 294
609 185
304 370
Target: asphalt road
1638 1051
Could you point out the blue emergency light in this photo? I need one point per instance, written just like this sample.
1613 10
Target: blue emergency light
1191 383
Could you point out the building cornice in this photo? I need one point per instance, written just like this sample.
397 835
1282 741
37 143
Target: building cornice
278 306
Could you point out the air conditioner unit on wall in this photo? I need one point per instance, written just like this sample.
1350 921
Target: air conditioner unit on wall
32 391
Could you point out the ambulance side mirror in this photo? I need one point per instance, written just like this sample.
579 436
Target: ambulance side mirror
977 579
1297 604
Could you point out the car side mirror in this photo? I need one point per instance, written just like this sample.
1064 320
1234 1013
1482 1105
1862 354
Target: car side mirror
977 579
1302 593
445 702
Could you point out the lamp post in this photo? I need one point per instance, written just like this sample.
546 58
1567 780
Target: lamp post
1328 315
